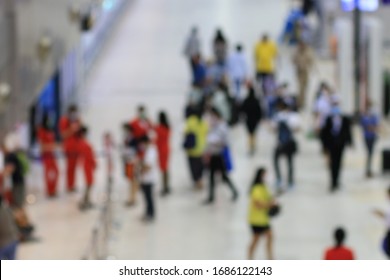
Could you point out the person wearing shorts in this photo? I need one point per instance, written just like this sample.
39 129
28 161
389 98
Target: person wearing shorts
260 203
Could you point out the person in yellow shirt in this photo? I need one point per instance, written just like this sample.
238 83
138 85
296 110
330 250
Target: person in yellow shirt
260 203
196 126
266 53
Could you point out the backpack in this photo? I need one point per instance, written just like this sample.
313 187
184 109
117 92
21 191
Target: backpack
189 141
286 140
284 133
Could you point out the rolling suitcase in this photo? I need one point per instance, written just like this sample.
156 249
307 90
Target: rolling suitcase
386 160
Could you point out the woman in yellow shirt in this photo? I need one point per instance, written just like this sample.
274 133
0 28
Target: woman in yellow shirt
260 203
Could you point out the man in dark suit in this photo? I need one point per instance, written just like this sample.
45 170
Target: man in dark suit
337 136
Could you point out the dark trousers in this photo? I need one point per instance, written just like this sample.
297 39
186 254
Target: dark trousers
147 189
336 157
196 168
290 165
8 252
217 164
370 143
264 80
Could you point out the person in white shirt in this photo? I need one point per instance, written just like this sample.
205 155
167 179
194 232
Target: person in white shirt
285 124
386 217
148 176
238 71
217 142
322 109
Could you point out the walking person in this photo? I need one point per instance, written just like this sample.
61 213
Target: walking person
9 238
192 47
266 52
163 134
196 130
339 251
69 125
148 176
252 112
322 109
89 164
217 142
370 124
220 48
337 136
260 203
285 124
47 140
238 71
303 60
386 217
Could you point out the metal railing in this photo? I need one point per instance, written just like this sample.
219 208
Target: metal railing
98 245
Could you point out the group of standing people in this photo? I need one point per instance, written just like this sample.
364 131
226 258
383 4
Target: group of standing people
77 150
144 145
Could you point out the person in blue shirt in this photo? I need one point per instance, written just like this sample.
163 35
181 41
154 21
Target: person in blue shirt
199 72
370 124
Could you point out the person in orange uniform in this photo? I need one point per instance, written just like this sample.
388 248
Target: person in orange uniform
88 161
47 141
69 126
162 141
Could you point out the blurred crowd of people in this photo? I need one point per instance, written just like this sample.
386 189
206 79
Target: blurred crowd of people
224 93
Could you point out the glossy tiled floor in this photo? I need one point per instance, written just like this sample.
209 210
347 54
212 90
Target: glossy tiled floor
142 63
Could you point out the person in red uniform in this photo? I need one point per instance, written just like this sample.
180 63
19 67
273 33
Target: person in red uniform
141 125
69 126
339 251
162 141
88 161
47 141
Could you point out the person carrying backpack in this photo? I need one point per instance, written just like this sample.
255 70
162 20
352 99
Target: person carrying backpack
285 124
195 138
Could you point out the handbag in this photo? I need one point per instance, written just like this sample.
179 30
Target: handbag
274 211
227 158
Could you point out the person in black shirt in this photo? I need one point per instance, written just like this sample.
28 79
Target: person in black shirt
336 135
251 110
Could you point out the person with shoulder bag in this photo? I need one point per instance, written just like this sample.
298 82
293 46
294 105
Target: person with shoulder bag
262 207
285 124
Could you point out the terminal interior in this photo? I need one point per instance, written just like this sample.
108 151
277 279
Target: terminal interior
141 61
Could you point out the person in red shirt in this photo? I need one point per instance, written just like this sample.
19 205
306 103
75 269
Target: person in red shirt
88 161
69 126
47 141
339 251
163 133
141 125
